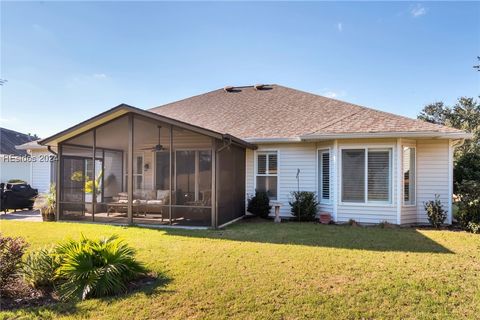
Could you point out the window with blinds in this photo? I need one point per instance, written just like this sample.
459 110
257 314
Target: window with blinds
324 175
266 175
379 175
408 176
366 175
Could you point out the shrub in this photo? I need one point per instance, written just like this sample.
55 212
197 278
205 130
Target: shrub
11 252
473 227
47 204
39 268
304 205
259 205
435 212
469 204
95 268
16 181
353 223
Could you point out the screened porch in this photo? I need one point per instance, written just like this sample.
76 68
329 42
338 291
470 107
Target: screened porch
134 169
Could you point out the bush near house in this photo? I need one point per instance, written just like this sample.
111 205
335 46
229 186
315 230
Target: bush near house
435 212
304 205
259 204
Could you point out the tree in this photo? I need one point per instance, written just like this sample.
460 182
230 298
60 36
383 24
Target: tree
464 115
478 65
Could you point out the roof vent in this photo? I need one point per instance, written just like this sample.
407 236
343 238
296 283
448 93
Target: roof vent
228 88
259 86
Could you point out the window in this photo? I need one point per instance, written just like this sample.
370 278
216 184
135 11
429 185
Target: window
137 172
408 176
366 175
267 170
324 175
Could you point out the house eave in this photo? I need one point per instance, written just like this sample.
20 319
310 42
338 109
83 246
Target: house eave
123 109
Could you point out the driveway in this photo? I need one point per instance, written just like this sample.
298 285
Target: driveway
24 215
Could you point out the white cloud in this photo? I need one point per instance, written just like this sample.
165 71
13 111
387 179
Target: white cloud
333 94
418 11
99 75
7 120
340 26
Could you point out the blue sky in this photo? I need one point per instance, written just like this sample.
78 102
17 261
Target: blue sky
65 62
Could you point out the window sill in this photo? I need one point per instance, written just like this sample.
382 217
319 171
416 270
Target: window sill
367 204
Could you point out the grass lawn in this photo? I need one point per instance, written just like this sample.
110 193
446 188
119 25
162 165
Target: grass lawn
256 269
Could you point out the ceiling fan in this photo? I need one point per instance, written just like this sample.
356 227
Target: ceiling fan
157 147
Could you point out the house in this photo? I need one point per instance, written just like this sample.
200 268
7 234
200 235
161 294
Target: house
41 165
197 160
13 164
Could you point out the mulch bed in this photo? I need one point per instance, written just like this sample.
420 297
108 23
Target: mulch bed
18 295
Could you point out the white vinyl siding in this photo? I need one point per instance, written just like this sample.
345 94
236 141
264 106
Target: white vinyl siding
432 174
41 171
432 171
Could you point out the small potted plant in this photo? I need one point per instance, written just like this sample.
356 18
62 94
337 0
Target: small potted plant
46 204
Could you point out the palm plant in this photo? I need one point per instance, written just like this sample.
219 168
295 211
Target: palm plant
39 267
95 268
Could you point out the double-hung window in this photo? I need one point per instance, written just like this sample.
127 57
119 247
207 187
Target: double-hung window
366 175
408 176
267 173
324 175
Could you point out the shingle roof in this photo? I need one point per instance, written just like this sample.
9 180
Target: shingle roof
281 112
9 139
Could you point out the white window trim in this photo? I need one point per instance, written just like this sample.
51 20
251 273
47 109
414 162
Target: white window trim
255 166
319 171
391 149
414 204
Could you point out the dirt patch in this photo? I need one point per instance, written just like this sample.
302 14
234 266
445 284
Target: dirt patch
18 295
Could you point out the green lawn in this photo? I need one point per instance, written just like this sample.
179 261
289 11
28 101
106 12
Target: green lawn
262 270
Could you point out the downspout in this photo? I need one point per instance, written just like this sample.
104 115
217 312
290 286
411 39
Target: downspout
49 148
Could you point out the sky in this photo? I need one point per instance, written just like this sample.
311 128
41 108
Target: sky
65 62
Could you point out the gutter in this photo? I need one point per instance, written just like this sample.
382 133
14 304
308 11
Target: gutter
431 134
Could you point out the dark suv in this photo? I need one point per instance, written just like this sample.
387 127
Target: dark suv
17 196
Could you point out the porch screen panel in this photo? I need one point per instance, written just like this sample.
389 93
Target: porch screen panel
185 177
379 175
353 175
230 184
112 147
77 179
192 179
